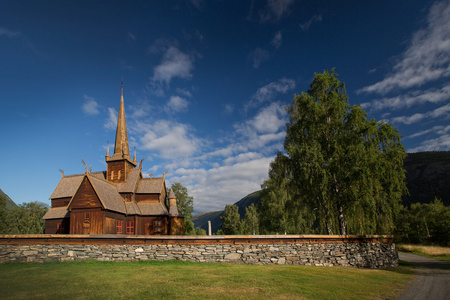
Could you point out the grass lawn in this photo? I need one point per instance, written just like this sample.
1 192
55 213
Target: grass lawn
436 252
188 280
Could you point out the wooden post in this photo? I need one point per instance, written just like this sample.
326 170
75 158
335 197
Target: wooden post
209 228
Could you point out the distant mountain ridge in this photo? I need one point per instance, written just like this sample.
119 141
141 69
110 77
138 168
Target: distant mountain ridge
427 177
9 203
201 220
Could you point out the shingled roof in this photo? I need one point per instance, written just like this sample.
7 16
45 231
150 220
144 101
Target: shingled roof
108 195
150 186
56 213
67 186
132 182
152 209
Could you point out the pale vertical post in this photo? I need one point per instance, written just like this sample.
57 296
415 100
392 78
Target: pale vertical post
209 228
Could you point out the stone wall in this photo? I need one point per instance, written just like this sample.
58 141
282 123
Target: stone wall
367 252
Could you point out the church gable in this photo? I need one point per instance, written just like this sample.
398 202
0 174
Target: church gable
85 197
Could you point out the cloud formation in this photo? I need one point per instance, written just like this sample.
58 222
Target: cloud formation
8 33
177 104
314 19
427 57
443 111
277 39
275 10
270 91
111 121
258 56
174 64
90 107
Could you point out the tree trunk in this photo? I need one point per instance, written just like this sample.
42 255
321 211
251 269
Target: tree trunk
342 223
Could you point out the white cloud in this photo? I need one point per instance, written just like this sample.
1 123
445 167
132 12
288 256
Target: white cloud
90 107
8 33
197 3
259 56
436 129
170 139
441 143
426 59
228 108
177 104
111 121
214 188
277 39
174 64
131 36
275 10
270 91
269 119
314 19
443 111
409 99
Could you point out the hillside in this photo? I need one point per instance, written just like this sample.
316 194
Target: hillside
201 220
9 203
427 177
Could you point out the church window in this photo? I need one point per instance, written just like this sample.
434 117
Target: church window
112 175
59 228
118 226
118 175
130 227
158 226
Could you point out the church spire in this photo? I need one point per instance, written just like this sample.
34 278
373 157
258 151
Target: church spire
121 149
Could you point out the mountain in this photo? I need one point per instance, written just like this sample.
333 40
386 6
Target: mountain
201 220
427 177
9 203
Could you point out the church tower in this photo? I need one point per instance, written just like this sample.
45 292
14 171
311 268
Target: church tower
120 164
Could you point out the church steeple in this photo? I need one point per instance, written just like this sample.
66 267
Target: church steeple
121 148
120 163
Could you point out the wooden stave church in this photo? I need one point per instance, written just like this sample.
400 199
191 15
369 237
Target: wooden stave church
116 201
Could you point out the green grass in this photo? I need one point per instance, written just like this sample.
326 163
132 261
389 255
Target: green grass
188 280
436 252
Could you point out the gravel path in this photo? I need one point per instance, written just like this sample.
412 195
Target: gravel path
431 281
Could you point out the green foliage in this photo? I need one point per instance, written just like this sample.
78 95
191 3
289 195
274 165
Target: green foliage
24 219
250 223
185 204
427 224
340 168
200 231
280 212
231 220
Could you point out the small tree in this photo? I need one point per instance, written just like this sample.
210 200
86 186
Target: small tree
231 220
250 223
185 204
26 218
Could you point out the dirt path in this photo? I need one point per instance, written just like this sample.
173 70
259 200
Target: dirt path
432 279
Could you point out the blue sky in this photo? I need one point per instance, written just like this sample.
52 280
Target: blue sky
205 83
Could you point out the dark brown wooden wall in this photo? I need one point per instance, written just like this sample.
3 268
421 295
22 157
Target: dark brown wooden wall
85 197
145 225
61 202
51 226
95 224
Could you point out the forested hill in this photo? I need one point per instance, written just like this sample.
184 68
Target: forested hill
427 177
9 203
201 220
